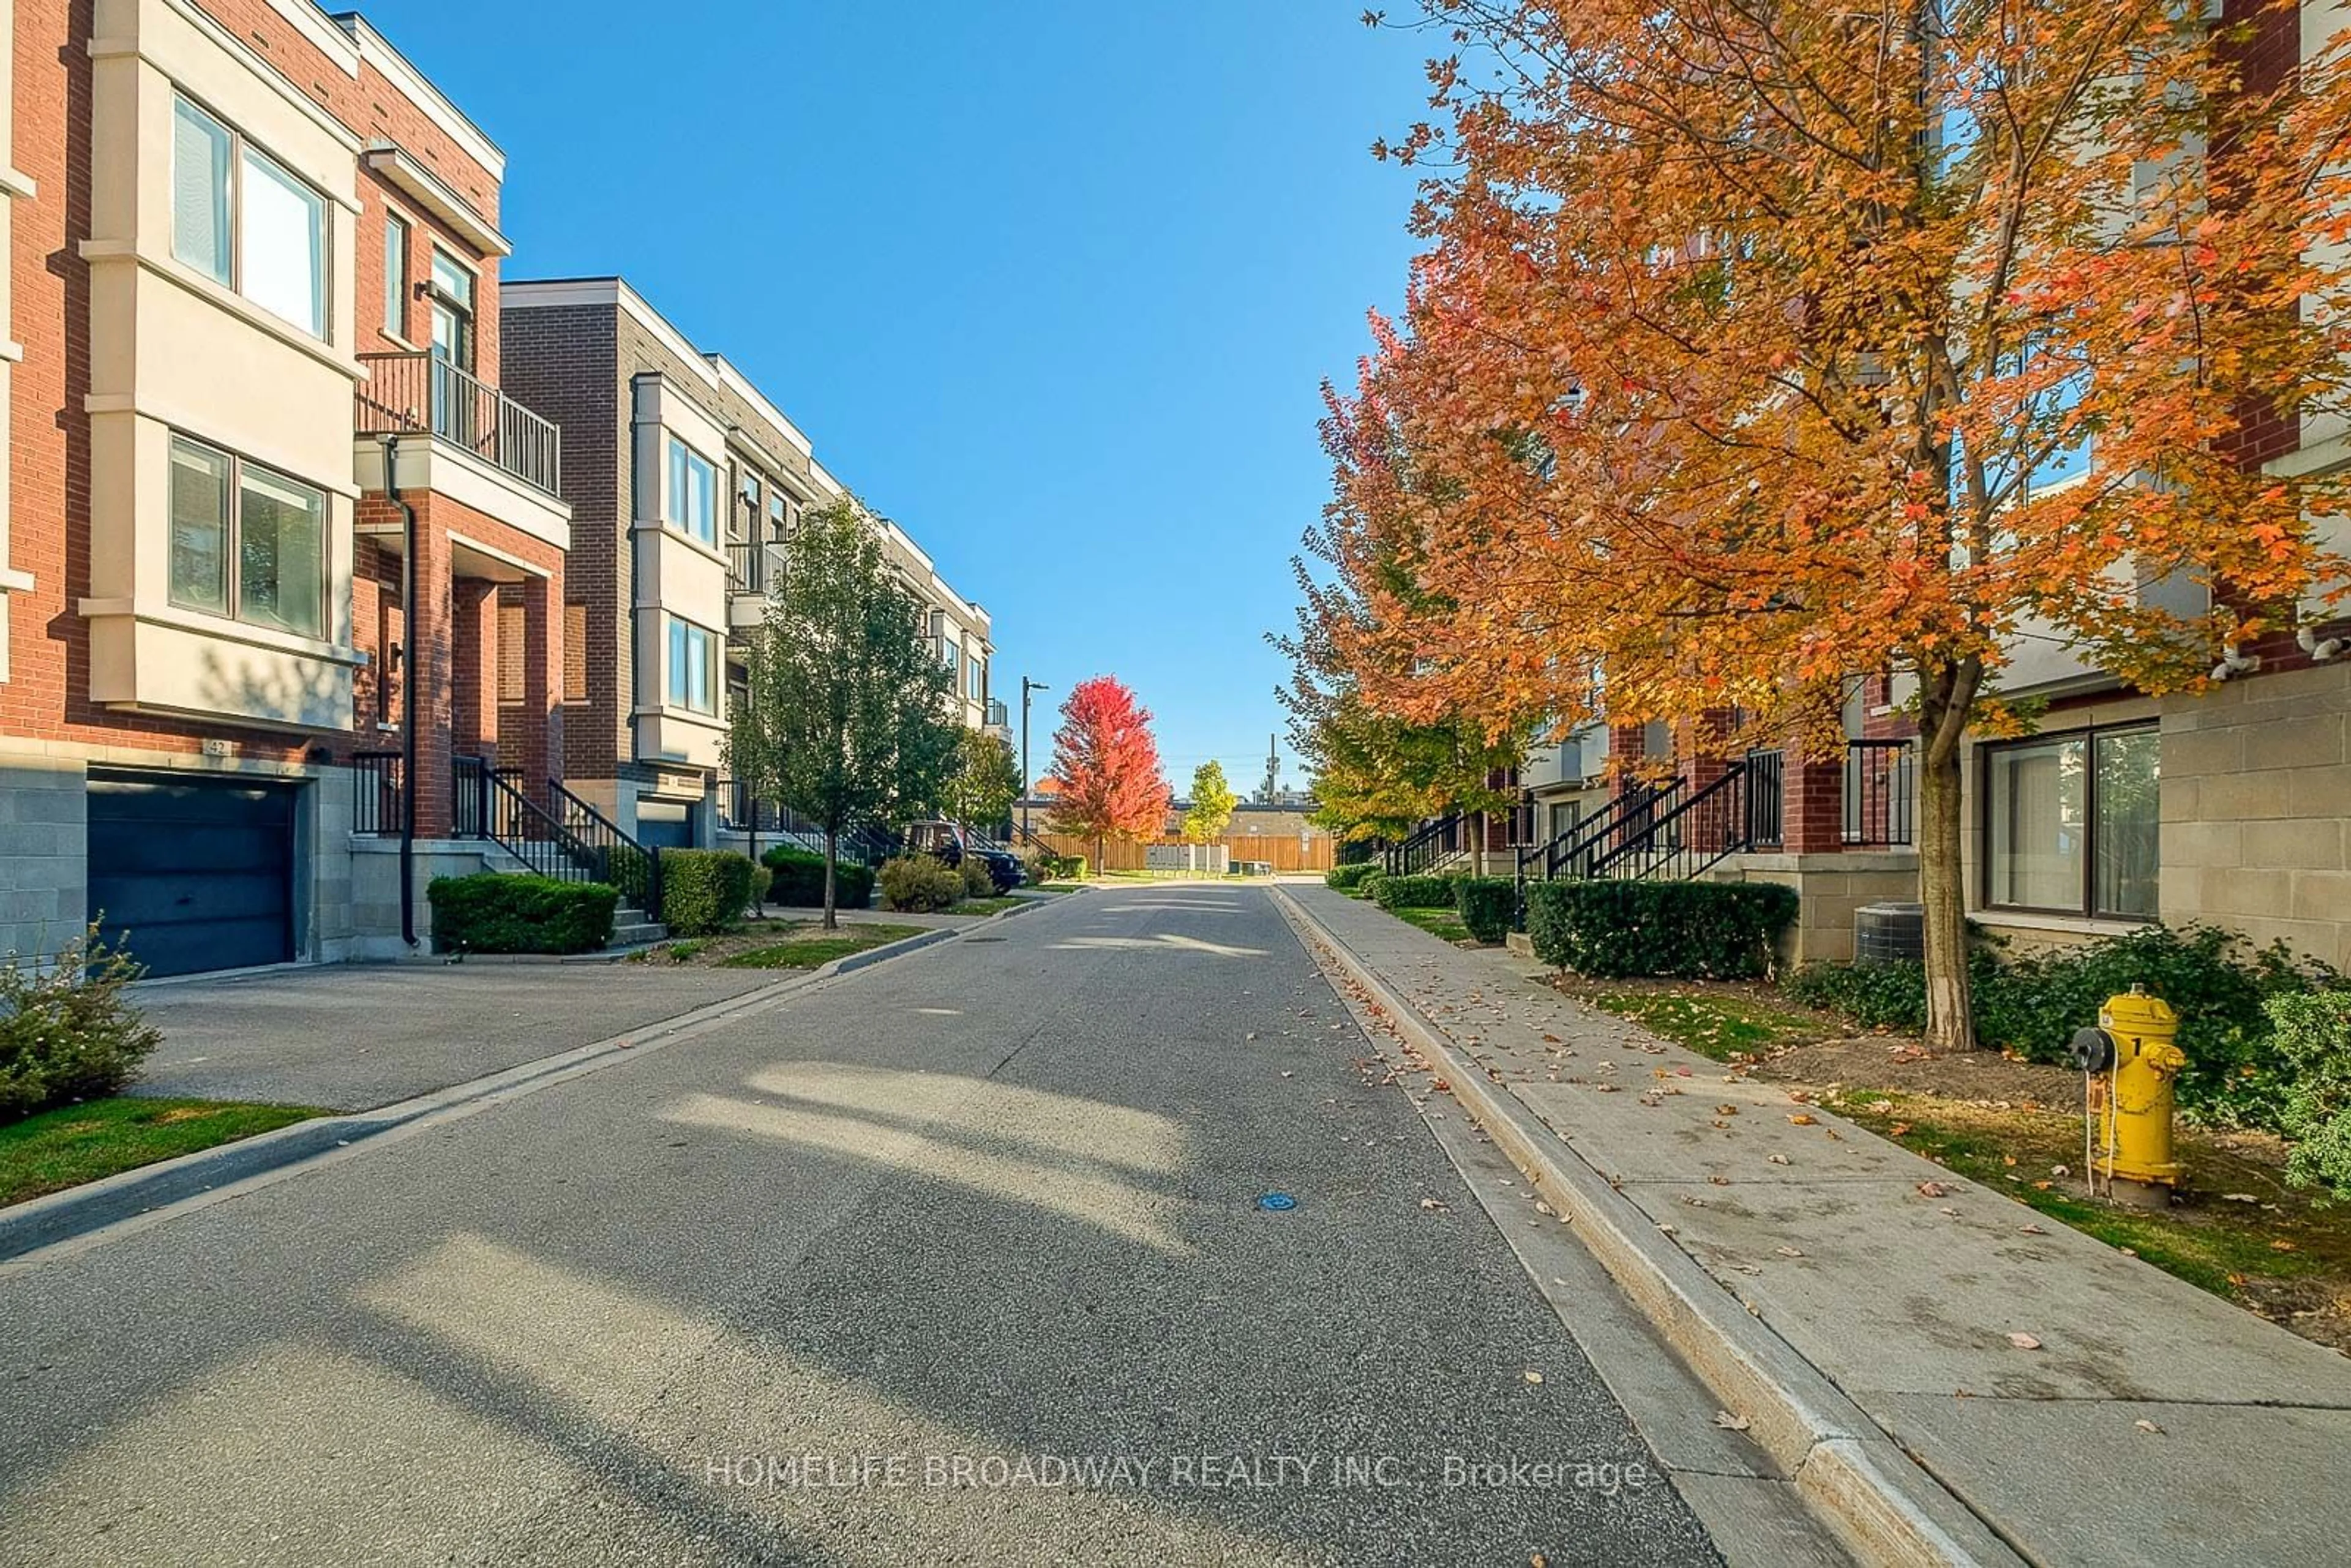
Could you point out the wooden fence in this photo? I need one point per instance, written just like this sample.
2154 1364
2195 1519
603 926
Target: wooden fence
1283 852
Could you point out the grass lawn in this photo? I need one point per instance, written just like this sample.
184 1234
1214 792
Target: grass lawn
995 905
1444 922
1711 1023
78 1143
816 949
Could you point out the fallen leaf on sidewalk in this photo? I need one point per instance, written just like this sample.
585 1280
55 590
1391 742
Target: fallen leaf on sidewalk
1777 1159
2148 1426
1431 1203
1933 1190
1726 1110
2031 1230
1534 1376
1805 1119
1788 1251
2024 1342
1730 1423
1719 1181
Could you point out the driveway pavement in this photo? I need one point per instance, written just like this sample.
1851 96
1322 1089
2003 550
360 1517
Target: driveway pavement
856 1277
352 1037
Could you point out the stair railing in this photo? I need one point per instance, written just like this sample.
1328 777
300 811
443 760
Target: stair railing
610 854
1685 841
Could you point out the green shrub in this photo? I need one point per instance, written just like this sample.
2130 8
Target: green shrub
1345 877
704 892
1369 886
2237 1072
1413 892
979 881
1488 905
68 1032
919 883
1685 930
761 880
1874 995
2311 1037
491 912
800 880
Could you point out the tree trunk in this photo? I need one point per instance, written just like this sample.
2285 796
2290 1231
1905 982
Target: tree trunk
1099 867
831 853
1946 695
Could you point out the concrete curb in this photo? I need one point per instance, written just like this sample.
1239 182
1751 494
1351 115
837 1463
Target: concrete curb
1883 1506
61 1216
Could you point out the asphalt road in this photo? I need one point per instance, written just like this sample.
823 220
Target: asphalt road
856 1279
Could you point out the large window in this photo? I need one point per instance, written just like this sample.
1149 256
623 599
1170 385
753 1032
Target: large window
243 221
2074 824
452 288
395 275
247 542
692 662
693 493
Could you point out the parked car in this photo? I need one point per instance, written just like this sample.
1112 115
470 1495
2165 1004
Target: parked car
949 843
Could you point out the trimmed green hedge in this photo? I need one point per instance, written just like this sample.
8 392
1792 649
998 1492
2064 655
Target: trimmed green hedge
704 892
1413 892
1345 878
491 912
1680 930
800 880
1487 906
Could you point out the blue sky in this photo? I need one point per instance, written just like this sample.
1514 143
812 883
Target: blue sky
1052 284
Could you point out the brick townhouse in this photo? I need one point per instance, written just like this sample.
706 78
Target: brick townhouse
277 555
685 481
2230 807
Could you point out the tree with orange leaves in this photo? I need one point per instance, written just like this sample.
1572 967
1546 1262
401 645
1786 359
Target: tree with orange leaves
1757 346
1107 767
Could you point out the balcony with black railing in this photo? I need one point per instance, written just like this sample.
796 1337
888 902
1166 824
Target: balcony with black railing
415 393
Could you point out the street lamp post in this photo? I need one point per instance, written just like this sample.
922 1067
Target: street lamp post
1027 686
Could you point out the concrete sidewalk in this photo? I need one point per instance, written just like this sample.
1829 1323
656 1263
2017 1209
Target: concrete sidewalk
2148 1422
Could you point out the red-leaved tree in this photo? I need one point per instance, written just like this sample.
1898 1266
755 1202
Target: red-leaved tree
1107 766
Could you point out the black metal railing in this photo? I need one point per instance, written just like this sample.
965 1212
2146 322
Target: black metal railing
1433 845
1623 820
1881 793
426 393
1685 839
612 855
755 566
1767 798
378 796
573 843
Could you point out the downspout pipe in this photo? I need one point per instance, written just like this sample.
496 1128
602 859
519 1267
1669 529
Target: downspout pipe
408 705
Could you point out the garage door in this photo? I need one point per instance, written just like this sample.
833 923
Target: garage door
192 875
664 824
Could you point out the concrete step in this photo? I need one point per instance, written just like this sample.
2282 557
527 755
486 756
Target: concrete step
636 933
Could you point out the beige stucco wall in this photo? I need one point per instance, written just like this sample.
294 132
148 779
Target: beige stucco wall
164 339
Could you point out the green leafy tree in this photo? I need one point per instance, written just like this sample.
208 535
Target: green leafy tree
1212 804
985 779
844 720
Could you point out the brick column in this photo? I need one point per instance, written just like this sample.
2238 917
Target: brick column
426 697
473 667
1813 818
533 742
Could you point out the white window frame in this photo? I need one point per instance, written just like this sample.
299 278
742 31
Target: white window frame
232 607
241 148
677 665
673 509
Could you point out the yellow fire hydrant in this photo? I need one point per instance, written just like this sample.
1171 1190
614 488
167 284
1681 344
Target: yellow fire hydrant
2134 1047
